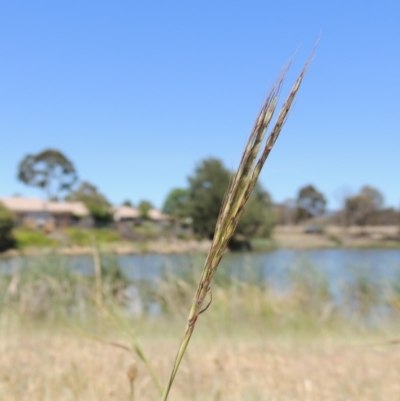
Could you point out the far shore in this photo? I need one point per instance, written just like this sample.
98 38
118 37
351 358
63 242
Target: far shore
285 237
297 237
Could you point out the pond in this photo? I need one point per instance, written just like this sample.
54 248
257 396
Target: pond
353 278
275 268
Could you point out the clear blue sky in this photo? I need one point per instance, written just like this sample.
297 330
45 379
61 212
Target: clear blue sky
135 93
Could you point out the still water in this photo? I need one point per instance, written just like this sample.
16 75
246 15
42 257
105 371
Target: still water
273 268
337 269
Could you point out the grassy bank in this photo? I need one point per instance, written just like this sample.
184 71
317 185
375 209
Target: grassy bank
29 238
78 241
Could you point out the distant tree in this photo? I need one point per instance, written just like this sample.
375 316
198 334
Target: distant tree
50 170
97 204
359 207
207 187
310 203
144 207
6 225
258 219
177 203
127 203
374 195
206 192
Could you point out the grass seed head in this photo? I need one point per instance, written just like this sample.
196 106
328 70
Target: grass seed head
132 372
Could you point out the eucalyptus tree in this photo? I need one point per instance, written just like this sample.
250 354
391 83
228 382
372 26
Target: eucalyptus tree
49 170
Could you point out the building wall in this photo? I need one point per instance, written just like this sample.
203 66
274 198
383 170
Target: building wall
43 220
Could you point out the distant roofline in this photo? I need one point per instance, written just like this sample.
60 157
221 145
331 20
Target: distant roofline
18 204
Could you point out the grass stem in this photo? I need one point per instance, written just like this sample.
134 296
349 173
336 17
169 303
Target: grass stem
235 200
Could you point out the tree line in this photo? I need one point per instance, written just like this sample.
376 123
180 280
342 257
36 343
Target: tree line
361 209
199 202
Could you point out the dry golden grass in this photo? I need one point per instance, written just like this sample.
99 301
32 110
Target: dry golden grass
49 364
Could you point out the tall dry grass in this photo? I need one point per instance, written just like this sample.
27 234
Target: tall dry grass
225 362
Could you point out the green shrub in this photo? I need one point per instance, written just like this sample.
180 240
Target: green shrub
29 238
148 231
78 236
84 237
6 225
106 235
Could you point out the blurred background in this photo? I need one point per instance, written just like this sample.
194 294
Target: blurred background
121 125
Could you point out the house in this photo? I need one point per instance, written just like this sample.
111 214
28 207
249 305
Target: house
158 217
128 213
39 213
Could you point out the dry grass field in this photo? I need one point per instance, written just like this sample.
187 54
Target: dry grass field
227 360
235 361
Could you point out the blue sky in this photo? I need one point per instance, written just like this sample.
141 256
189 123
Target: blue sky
137 93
